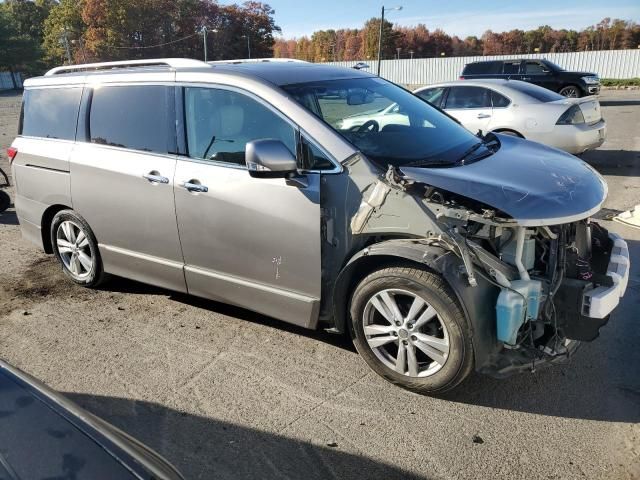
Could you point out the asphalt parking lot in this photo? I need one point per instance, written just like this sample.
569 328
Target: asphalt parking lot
225 393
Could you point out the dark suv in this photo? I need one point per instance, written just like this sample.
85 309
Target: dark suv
540 72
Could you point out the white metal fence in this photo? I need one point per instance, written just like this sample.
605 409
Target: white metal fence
423 71
6 83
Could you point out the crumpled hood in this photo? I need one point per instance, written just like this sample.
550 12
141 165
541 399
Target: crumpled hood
534 184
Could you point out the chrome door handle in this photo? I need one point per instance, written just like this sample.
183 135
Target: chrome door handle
526 79
155 177
195 187
483 115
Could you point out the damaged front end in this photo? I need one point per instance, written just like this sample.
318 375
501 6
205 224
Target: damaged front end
528 259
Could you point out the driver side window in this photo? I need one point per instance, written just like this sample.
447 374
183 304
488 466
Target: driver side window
219 123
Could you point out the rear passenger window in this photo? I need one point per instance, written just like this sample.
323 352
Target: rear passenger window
511 68
483 68
468 97
220 123
51 112
134 117
498 100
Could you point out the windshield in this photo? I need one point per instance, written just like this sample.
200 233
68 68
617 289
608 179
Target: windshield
385 122
553 66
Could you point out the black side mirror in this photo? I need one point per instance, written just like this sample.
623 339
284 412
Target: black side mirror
269 158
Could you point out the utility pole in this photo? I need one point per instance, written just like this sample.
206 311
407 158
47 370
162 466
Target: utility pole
380 34
204 39
380 40
64 39
248 46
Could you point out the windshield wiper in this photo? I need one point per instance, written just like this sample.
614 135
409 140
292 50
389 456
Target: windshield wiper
486 142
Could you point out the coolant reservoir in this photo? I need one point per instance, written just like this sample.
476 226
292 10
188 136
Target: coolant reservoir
512 308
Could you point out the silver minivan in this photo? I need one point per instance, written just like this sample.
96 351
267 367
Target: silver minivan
437 250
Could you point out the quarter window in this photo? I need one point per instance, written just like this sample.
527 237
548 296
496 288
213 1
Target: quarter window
134 117
313 158
51 112
498 100
220 122
468 97
432 95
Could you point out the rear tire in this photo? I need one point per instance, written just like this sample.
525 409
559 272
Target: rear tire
76 248
5 201
427 330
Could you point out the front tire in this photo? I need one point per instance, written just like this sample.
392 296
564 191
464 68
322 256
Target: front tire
570 91
76 248
408 326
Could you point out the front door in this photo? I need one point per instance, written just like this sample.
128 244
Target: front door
253 242
538 74
122 182
471 106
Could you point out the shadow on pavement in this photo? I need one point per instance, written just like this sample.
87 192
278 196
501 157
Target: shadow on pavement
123 285
203 447
614 162
619 103
8 218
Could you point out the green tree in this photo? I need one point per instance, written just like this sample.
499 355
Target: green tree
18 51
64 18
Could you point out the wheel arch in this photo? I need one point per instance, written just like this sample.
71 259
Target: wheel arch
506 129
45 224
477 303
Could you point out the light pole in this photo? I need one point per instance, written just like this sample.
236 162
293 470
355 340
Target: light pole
204 31
64 40
411 53
248 45
380 34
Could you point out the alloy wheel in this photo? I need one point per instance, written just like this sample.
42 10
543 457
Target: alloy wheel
405 333
570 92
73 247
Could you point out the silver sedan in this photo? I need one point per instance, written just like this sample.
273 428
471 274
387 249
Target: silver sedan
522 109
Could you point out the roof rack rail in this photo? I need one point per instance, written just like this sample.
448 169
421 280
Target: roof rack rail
256 60
168 62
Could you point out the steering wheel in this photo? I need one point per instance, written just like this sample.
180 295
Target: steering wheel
370 126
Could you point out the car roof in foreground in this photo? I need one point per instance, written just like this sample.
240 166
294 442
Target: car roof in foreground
285 73
40 420
272 71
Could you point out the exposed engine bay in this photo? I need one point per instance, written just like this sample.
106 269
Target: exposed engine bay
557 283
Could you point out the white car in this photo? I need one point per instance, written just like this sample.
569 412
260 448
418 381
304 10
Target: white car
522 109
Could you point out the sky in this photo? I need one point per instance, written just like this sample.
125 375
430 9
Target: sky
456 17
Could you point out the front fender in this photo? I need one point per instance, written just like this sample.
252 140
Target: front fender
478 303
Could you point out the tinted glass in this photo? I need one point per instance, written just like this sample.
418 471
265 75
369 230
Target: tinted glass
482 68
468 97
535 68
511 68
552 66
51 112
388 124
432 95
131 117
498 100
313 158
220 123
539 93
